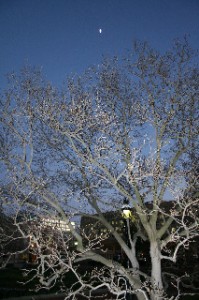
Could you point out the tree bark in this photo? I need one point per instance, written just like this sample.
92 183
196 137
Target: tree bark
156 272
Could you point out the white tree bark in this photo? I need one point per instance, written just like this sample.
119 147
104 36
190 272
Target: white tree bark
156 271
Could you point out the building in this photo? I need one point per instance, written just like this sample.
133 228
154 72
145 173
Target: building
103 241
19 251
57 224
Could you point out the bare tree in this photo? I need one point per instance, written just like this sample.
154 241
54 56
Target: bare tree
121 131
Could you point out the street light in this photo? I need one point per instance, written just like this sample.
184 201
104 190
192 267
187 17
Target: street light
126 213
126 210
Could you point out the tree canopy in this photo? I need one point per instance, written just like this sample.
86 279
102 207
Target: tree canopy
126 129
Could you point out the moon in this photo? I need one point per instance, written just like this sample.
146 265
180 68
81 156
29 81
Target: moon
100 30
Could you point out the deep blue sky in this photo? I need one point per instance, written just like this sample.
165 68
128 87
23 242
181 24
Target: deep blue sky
62 35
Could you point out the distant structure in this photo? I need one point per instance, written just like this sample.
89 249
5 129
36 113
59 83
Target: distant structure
93 229
57 224
20 251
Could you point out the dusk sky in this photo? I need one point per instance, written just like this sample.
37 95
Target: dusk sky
63 36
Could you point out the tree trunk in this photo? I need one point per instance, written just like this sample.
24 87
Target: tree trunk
156 272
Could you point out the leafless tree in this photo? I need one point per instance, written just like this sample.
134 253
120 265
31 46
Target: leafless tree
123 130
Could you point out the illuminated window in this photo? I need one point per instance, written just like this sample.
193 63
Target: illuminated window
58 224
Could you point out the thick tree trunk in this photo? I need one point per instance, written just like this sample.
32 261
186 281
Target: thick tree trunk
156 272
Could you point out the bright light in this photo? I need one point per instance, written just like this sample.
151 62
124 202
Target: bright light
126 213
58 224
